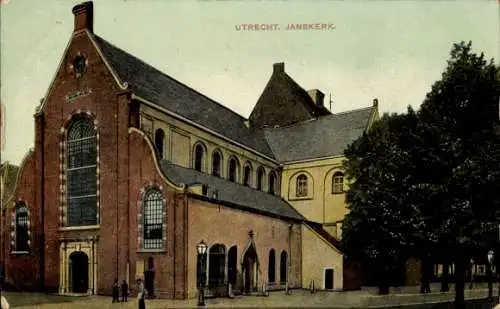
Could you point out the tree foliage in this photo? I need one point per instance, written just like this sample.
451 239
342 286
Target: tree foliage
427 182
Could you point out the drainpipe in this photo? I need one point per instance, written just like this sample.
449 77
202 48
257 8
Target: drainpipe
289 262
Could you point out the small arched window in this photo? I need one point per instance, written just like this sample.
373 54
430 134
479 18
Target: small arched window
216 163
272 182
153 219
260 178
338 182
233 170
247 175
21 234
198 157
159 142
283 267
301 186
271 271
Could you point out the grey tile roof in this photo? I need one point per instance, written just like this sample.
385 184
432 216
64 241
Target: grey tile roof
325 136
232 193
161 89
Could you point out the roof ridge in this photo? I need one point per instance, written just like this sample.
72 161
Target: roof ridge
353 110
168 76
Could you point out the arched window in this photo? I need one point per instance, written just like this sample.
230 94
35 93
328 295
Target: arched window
216 163
82 173
338 182
153 219
198 157
271 272
283 267
272 182
22 236
247 175
233 170
159 141
301 187
260 178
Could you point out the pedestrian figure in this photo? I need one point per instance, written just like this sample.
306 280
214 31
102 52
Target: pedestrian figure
4 304
116 292
124 288
141 294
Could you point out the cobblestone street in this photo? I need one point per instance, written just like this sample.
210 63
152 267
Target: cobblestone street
298 299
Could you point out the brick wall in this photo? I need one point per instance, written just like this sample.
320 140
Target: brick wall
216 224
169 264
23 269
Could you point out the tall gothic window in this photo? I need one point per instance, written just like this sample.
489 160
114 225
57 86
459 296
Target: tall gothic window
22 236
198 157
159 141
153 219
216 163
301 189
260 178
233 170
82 173
338 182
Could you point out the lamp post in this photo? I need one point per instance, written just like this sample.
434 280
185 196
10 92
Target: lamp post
489 271
471 273
201 248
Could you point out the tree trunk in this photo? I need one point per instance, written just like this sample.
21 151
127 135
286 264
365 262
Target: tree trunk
445 277
425 275
460 266
383 279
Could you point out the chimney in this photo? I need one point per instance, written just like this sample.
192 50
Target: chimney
375 102
317 96
84 16
279 67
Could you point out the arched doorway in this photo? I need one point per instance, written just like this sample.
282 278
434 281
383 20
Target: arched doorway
149 277
232 265
79 272
249 269
216 266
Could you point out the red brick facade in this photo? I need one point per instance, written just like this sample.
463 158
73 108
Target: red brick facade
126 166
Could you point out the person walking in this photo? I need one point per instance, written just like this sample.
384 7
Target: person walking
4 304
116 292
124 289
141 294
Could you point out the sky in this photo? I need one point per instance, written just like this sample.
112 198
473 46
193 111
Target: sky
390 50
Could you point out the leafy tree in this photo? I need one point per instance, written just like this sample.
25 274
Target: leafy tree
378 166
461 112
426 183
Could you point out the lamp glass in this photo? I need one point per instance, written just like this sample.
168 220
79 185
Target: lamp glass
490 256
201 247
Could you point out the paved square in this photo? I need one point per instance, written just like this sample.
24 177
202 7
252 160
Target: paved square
298 299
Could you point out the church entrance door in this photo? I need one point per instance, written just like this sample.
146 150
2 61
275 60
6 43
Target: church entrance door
79 270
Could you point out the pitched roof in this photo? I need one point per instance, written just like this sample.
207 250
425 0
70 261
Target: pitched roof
233 194
322 137
9 173
284 102
163 90
318 228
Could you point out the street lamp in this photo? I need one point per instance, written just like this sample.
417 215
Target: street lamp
491 255
471 270
201 248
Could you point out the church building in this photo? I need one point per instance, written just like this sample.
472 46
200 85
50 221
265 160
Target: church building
131 169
